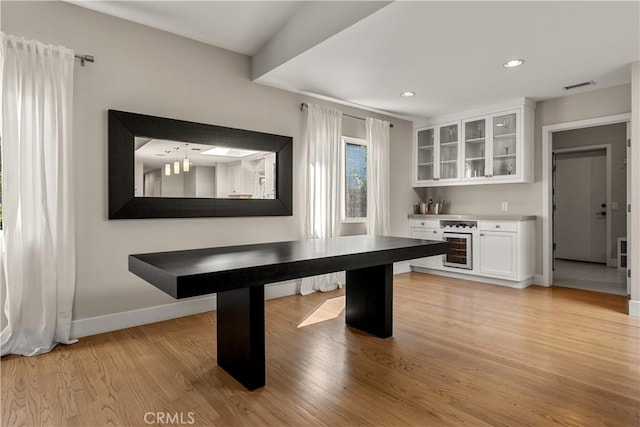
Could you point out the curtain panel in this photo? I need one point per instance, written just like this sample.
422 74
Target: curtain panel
323 144
378 211
38 252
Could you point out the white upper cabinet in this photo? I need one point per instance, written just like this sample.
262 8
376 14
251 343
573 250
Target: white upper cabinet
437 150
474 146
425 152
447 153
506 145
495 146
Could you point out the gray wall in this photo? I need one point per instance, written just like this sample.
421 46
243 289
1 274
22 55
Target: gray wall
172 185
144 70
205 181
616 135
189 188
527 198
148 71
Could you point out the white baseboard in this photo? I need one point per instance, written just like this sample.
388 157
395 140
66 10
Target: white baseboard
401 267
473 278
128 319
282 289
634 308
538 279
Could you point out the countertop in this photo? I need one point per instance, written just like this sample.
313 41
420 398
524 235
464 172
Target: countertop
492 217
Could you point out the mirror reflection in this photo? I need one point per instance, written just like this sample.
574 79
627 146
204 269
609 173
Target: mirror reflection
166 168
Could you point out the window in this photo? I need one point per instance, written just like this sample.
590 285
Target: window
355 179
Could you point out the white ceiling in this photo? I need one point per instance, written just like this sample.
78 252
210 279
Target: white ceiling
155 153
240 26
449 53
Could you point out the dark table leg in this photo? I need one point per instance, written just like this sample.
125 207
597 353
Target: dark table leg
240 322
369 304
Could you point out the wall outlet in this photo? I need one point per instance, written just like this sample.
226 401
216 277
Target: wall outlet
505 206
614 206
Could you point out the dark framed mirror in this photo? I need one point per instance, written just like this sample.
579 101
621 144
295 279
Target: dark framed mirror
167 168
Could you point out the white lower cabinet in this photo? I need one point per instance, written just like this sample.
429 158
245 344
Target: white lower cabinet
502 251
498 253
428 230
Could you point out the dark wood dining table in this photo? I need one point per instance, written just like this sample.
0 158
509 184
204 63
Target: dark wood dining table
238 275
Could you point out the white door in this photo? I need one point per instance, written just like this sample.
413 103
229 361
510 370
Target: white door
498 253
581 196
235 178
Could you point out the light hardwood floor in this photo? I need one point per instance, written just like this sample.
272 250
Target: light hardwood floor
462 353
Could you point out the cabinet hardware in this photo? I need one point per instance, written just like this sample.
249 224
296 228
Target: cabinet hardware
629 273
434 231
497 226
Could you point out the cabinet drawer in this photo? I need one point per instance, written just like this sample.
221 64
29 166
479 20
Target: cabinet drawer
511 226
423 223
425 233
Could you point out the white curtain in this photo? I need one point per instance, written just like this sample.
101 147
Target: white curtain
322 184
378 215
38 254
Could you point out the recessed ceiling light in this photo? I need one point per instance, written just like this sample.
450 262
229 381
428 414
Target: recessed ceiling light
513 63
407 94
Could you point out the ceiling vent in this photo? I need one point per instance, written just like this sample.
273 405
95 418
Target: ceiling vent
577 85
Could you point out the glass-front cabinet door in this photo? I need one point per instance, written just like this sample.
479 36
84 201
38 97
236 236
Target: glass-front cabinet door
448 152
426 153
485 146
475 148
505 144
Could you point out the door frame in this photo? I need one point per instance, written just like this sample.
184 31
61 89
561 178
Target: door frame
627 208
547 139
585 149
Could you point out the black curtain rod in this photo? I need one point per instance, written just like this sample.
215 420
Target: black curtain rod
305 105
85 58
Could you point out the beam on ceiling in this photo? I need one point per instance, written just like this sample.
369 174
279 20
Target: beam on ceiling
313 23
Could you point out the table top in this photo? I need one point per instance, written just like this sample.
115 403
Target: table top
202 271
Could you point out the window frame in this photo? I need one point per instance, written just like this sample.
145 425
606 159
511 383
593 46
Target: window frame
343 179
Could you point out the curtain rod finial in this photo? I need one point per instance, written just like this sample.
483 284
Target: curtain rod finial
85 58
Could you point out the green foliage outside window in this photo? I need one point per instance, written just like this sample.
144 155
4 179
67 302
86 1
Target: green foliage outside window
356 181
